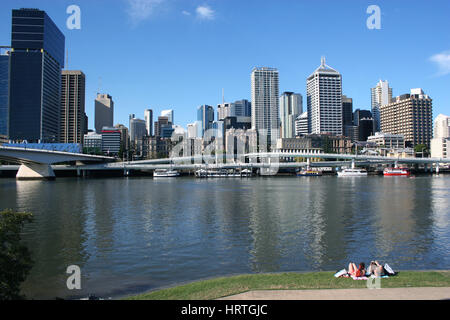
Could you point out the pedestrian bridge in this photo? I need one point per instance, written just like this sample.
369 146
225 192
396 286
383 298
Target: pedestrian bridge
36 163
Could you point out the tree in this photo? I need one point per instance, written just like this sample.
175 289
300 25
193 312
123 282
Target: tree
422 149
15 258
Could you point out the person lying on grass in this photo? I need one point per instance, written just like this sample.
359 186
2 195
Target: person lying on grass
357 272
376 269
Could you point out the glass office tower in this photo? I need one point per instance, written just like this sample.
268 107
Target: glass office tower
37 57
205 117
4 93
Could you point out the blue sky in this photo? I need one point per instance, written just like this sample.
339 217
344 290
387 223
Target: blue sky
179 54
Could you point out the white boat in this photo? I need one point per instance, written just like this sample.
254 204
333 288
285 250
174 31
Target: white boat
165 173
353 172
202 173
309 173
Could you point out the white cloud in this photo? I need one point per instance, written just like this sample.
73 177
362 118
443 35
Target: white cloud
139 10
443 62
205 12
186 13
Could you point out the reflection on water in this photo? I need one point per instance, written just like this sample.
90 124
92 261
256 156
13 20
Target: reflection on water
134 234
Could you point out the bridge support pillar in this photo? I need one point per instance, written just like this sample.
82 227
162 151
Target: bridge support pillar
437 168
35 172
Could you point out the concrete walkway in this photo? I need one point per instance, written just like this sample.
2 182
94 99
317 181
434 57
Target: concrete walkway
347 294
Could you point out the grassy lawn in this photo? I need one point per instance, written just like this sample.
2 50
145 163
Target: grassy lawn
222 287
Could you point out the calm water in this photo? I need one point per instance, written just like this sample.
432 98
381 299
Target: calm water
130 235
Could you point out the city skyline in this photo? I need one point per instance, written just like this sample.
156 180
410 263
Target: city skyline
141 72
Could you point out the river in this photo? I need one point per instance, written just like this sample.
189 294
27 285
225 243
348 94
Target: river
130 235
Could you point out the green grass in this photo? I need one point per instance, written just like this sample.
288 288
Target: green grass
222 287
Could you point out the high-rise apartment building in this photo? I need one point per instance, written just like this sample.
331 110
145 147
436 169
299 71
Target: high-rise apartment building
37 57
148 118
409 115
265 104
104 111
291 106
72 114
205 117
324 100
381 95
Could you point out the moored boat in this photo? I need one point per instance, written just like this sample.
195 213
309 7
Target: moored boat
396 172
353 172
309 173
165 173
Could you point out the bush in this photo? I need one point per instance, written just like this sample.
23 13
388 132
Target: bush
15 258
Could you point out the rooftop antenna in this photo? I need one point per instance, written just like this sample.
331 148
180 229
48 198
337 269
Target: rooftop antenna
223 96
322 61
67 59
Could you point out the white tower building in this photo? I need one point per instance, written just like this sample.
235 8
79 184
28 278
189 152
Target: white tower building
148 117
440 144
381 95
324 100
265 103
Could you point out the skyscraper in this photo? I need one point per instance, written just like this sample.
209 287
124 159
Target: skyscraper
440 144
265 103
137 130
301 124
162 126
381 95
104 111
124 138
240 108
324 100
37 57
410 115
111 141
441 127
148 117
205 116
347 111
291 106
192 130
72 116
364 122
4 93
168 114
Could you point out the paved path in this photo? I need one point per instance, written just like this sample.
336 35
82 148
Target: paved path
346 294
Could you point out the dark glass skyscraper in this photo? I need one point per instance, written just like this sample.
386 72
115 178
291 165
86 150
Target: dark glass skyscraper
37 58
205 115
4 93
